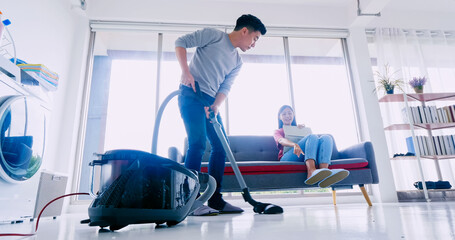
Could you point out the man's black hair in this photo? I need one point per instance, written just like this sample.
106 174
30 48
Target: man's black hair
251 22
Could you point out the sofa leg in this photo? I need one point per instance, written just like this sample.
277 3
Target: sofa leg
365 194
334 197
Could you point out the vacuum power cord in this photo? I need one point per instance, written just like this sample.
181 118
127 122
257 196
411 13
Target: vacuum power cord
39 216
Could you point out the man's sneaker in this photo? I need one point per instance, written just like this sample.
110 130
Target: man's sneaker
228 208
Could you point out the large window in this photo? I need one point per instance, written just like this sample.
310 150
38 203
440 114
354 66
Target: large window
259 90
134 71
131 104
321 88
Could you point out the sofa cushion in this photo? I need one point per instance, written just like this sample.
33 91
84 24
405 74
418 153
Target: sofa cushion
277 167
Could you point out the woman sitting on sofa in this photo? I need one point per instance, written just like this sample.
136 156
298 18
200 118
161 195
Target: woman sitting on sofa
313 150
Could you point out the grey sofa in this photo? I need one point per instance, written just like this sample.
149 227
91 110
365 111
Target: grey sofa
257 160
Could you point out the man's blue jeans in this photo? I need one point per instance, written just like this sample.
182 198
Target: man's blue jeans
199 129
317 148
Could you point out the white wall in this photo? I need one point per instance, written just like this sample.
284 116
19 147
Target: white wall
408 19
217 12
50 32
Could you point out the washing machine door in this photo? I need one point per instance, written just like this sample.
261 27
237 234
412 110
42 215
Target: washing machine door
22 137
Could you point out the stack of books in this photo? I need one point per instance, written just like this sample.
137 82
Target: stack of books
430 114
45 77
437 145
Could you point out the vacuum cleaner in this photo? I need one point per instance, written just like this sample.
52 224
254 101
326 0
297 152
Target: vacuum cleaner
140 187
258 207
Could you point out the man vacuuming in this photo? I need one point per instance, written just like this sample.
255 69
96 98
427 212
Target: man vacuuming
214 65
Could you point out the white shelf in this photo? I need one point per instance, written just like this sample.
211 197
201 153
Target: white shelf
429 127
10 69
422 97
433 157
420 126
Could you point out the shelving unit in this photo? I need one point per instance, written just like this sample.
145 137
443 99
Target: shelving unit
412 127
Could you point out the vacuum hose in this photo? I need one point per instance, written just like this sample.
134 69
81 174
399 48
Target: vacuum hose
159 114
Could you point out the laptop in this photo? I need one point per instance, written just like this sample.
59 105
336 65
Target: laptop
294 134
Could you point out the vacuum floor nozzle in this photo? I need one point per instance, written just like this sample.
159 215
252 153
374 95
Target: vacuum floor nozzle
267 208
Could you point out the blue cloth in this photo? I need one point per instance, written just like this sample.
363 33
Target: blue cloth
317 148
216 62
198 129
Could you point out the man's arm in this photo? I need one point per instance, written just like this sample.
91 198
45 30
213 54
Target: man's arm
219 99
186 78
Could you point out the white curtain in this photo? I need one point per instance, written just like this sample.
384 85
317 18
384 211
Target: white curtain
415 53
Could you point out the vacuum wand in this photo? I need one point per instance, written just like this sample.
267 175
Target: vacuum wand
265 208
258 207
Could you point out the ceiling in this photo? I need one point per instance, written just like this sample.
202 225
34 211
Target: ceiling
418 14
331 3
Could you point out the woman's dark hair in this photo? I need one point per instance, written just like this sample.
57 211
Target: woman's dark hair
280 123
251 22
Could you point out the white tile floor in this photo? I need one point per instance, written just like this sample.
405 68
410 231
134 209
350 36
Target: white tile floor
434 220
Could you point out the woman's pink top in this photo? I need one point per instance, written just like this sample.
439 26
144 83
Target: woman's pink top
278 134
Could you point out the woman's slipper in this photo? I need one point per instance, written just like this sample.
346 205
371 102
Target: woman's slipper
337 176
318 175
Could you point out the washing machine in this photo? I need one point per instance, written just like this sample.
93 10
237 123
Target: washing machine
23 120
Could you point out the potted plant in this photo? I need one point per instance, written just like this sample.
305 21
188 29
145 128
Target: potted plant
387 80
417 83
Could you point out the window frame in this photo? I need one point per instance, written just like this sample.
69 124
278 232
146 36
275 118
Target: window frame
160 28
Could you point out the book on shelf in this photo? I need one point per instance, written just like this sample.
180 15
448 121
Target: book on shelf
423 147
446 145
430 146
410 145
449 144
450 113
428 117
445 112
419 145
437 145
440 116
434 115
443 146
416 116
423 119
452 143
429 114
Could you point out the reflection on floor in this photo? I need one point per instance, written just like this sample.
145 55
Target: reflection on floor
434 220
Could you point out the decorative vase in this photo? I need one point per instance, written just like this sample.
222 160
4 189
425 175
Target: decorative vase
418 89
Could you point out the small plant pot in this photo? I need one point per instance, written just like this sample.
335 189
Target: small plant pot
390 90
418 89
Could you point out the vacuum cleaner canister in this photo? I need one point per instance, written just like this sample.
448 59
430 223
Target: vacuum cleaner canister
140 187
